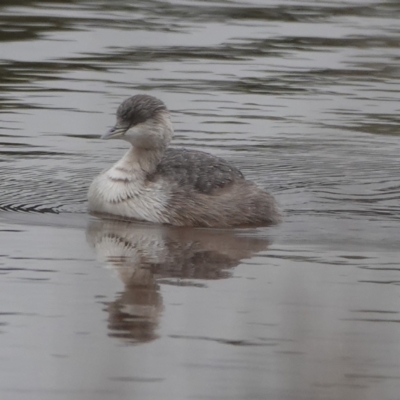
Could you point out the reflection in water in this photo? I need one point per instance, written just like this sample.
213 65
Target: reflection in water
146 255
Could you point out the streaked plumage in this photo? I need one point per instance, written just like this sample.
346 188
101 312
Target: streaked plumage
173 186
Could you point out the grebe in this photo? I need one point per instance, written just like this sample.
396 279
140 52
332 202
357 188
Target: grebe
173 185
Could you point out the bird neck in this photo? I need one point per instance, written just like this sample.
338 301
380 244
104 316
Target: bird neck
138 159
149 140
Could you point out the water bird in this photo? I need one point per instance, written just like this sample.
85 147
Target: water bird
153 182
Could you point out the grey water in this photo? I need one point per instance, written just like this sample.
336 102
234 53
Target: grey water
303 96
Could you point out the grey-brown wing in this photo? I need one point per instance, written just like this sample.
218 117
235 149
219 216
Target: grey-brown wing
196 170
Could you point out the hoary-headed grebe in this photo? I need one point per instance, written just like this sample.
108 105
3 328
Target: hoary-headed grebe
173 185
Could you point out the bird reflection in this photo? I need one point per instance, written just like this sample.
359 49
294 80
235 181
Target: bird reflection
145 256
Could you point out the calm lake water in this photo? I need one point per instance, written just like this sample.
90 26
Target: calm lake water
303 96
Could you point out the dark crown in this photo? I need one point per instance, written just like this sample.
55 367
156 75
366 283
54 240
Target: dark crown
139 108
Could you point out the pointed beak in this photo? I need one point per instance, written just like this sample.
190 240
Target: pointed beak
114 133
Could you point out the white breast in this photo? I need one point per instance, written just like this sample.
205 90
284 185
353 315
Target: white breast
125 193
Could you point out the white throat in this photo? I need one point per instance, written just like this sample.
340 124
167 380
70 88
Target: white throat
149 140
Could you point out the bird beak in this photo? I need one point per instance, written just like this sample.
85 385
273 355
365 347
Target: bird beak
114 133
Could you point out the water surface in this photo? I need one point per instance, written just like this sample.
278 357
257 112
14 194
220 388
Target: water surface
303 97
